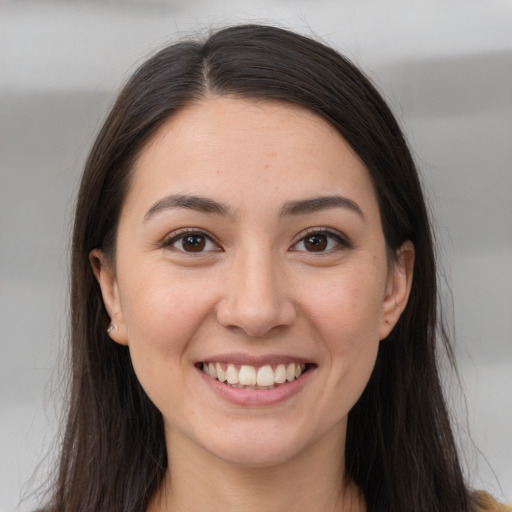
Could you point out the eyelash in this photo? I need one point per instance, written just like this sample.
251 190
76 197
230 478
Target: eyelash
181 234
340 241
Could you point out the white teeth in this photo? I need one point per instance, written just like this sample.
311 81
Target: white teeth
212 370
232 374
221 374
247 376
250 377
280 376
290 372
265 376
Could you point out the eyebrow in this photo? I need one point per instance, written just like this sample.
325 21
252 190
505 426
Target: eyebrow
315 204
197 203
207 205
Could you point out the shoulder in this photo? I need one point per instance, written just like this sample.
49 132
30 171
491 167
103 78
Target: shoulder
484 502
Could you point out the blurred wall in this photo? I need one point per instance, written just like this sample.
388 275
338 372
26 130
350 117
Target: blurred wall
446 68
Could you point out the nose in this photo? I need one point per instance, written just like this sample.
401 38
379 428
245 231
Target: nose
255 299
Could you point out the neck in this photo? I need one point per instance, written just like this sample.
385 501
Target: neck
314 480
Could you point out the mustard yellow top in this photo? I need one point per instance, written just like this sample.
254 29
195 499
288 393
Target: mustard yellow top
486 503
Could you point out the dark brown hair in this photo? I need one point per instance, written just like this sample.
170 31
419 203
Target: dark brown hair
400 449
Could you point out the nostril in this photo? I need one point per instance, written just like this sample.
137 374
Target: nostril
256 320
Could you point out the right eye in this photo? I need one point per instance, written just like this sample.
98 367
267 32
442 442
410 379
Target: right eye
191 242
321 241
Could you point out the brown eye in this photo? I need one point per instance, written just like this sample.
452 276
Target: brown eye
316 242
193 243
321 242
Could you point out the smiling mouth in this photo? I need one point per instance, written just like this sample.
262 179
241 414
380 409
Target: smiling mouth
254 377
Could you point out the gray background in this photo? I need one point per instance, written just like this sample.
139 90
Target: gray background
446 68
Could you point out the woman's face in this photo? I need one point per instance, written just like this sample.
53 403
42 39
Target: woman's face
250 243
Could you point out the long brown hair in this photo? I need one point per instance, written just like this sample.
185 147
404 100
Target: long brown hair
400 449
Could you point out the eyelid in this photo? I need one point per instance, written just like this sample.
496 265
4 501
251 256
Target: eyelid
178 234
341 239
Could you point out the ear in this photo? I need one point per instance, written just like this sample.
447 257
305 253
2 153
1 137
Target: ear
398 288
110 292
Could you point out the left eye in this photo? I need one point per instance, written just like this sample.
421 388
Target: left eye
321 241
192 242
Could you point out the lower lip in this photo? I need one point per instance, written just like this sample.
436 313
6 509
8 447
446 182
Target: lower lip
257 397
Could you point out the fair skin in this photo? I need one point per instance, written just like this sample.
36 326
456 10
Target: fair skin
222 257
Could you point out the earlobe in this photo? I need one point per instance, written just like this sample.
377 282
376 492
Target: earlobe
398 288
110 293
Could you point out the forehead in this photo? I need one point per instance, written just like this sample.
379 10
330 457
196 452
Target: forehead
242 148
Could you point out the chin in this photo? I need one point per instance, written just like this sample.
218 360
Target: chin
256 456
255 448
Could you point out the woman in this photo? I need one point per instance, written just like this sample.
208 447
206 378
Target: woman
253 305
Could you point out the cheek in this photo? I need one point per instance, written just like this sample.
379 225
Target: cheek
347 308
161 315
161 308
161 320
346 318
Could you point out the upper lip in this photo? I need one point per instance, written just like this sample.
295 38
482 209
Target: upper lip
252 360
